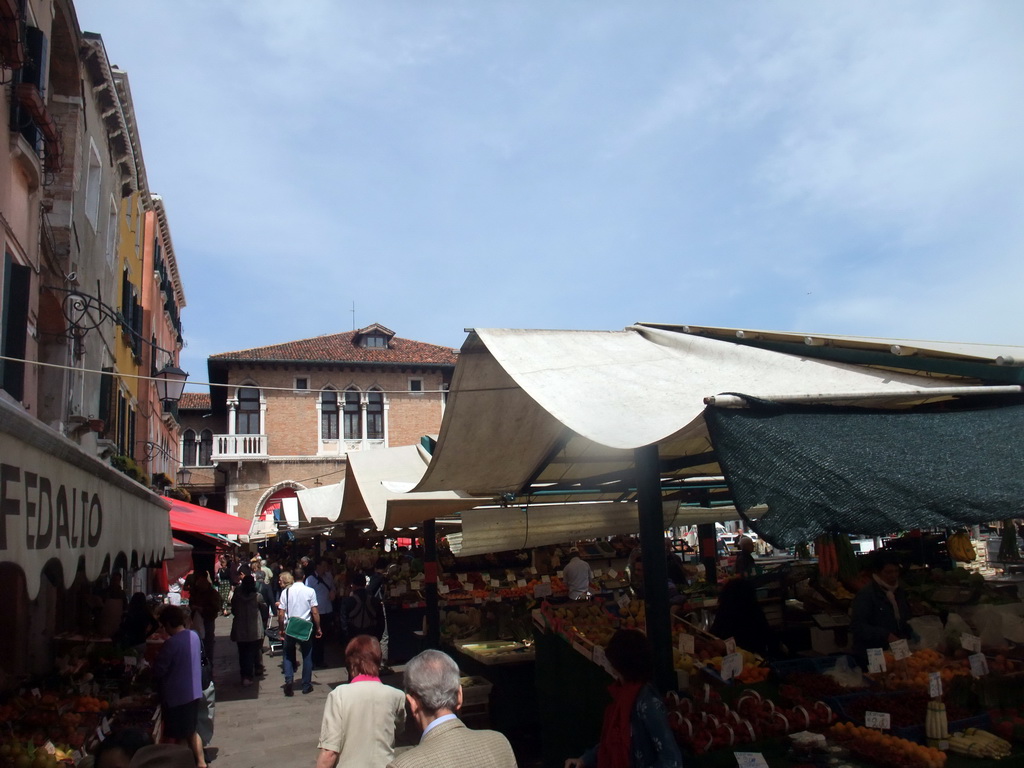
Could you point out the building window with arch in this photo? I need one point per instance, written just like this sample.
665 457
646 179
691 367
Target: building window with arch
353 415
328 415
206 448
189 446
248 417
374 415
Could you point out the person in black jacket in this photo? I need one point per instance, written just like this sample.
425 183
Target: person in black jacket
362 612
880 611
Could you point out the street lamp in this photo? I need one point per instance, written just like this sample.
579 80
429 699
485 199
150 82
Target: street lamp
170 383
184 476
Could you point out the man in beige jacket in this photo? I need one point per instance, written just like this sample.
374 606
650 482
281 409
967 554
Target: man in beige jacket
434 694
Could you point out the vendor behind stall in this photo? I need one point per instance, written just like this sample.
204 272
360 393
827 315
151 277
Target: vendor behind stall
880 611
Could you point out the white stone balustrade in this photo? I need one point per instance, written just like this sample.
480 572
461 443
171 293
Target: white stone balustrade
239 447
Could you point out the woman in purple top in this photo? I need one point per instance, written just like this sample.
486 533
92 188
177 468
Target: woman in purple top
178 671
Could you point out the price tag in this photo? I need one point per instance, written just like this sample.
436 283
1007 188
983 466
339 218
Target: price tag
105 726
533 570
415 584
732 666
497 598
76 756
560 574
598 572
979 664
623 601
612 573
880 720
495 582
900 649
395 592
462 577
970 642
935 685
730 645
49 748
520 582
602 660
686 643
442 589
477 601
876 660
100 734
542 590
130 661
546 579
750 760
36 693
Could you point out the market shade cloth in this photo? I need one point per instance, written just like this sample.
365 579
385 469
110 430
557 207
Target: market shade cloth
181 563
518 527
570 406
59 503
192 517
312 511
377 486
871 472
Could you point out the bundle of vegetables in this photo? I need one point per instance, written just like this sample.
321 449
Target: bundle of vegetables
836 558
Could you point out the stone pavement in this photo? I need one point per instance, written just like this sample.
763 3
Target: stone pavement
259 726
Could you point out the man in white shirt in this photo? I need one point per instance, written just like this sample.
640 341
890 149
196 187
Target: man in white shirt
297 601
578 575
322 582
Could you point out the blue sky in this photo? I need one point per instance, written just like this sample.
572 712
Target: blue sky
853 168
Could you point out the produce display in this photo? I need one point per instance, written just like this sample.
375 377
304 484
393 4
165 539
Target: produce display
961 548
974 742
884 750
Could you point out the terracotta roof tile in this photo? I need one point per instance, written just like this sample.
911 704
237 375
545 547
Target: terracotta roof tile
194 401
342 348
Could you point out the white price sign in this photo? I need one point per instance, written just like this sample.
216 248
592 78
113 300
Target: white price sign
730 645
612 573
129 661
597 572
495 583
970 642
935 685
900 649
462 577
442 589
542 590
560 574
876 660
750 760
546 579
979 664
879 720
732 666
623 601
521 582
686 643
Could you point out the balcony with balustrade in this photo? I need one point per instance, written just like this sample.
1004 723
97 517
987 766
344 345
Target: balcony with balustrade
239 448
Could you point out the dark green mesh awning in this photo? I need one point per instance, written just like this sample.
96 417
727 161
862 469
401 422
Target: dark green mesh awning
870 472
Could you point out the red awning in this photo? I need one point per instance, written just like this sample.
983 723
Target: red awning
196 519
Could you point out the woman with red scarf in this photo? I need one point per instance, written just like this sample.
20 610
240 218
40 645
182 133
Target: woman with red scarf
635 732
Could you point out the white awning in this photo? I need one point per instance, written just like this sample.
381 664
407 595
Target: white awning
516 527
59 503
558 407
375 487
322 503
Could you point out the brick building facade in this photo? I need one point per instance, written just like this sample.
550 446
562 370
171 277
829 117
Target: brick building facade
282 418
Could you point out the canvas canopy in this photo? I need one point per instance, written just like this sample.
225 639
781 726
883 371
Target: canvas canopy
545 413
196 519
521 527
868 471
377 485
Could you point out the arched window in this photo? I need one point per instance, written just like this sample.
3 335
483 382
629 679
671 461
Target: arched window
188 448
248 417
374 415
353 416
328 415
206 448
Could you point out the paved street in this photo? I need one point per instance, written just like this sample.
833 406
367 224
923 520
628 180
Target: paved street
259 726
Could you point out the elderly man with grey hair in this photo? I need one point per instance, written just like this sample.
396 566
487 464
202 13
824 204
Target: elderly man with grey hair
434 694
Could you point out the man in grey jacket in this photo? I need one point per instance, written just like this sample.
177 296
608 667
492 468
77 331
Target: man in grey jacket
434 694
